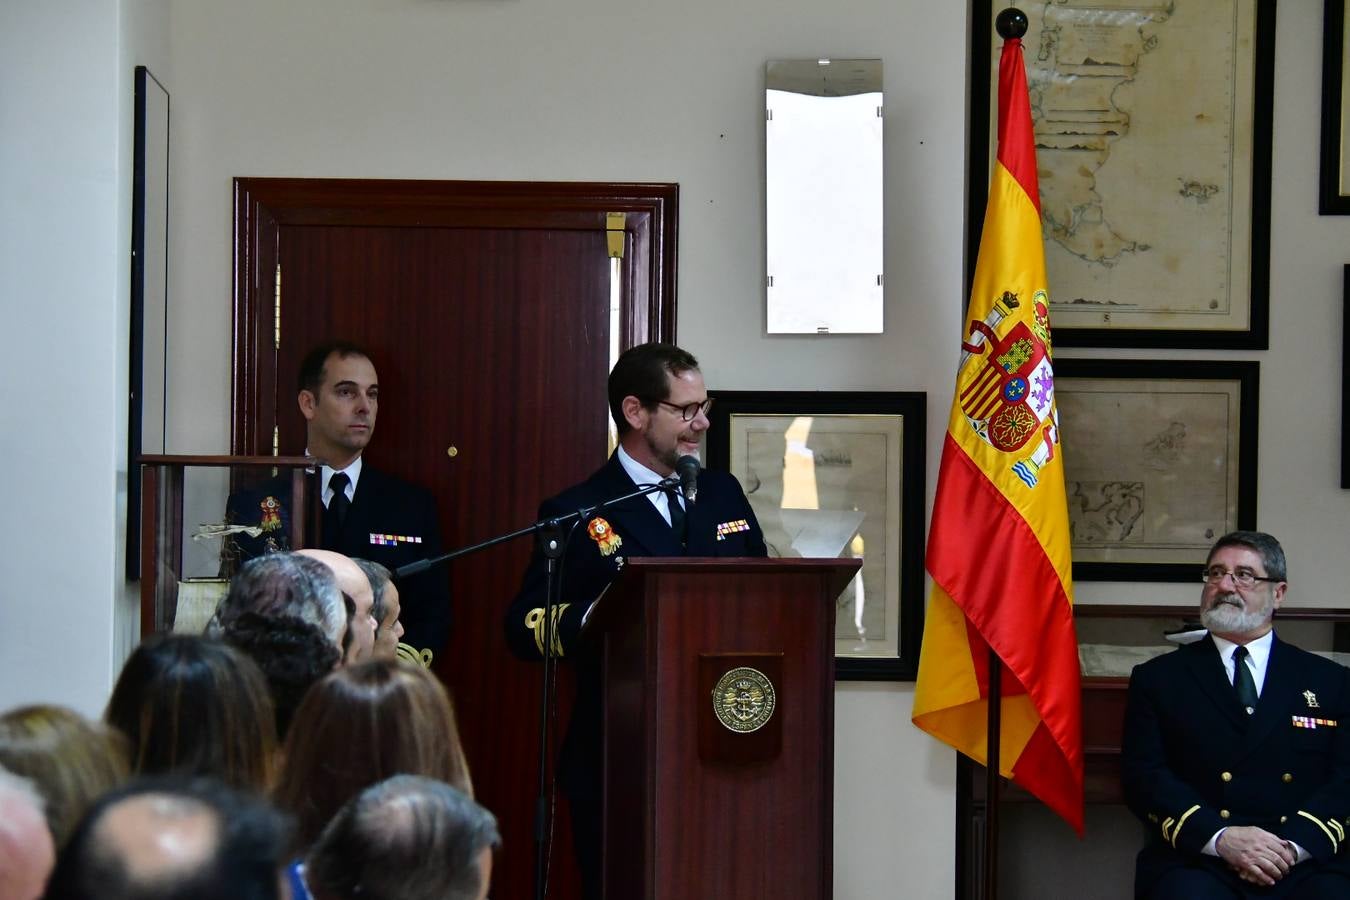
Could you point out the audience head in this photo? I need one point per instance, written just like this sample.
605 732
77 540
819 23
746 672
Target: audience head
386 609
291 653
407 838
174 839
354 584
285 584
361 725
27 851
195 706
71 760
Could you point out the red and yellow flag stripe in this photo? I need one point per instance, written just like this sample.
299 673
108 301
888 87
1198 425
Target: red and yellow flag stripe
998 549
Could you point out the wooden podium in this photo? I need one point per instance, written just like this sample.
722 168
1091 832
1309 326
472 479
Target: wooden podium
695 807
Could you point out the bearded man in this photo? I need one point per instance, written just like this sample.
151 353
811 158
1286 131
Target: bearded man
1236 750
659 404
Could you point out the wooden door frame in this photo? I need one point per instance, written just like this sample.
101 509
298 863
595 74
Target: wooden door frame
263 205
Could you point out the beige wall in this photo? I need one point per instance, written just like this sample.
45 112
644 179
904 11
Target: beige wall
573 90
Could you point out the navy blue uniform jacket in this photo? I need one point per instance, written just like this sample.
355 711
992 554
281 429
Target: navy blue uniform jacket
390 521
587 570
1193 761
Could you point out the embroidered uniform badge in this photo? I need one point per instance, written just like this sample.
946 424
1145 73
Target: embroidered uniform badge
1312 699
271 514
603 534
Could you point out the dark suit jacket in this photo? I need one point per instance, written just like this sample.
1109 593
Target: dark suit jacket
1193 761
587 570
385 521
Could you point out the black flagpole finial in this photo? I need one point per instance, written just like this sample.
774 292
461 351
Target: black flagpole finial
1011 23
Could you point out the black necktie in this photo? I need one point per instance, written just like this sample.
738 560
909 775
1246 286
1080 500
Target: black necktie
339 504
1243 683
676 515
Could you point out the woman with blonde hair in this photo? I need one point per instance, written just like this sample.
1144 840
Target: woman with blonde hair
361 725
192 705
71 760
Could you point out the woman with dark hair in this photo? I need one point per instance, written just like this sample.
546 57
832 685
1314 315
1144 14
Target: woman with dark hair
361 725
195 706
71 760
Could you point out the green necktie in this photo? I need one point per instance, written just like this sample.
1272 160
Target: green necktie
1243 683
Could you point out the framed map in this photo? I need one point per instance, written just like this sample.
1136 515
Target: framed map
1153 141
1159 462
839 475
1334 194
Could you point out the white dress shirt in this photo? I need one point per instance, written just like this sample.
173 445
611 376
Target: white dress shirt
643 476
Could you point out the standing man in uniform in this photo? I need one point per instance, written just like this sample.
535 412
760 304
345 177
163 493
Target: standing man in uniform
659 404
1236 751
367 513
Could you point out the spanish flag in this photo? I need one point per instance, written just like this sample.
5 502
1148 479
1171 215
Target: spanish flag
998 549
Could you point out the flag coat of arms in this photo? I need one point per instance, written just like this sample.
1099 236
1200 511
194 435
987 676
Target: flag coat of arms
998 549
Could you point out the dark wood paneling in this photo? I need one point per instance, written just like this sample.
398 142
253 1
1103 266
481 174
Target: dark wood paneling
485 308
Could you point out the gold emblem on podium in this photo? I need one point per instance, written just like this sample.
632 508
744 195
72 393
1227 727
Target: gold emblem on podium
744 699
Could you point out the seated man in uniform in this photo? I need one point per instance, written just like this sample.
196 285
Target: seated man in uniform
1236 750
659 403
367 513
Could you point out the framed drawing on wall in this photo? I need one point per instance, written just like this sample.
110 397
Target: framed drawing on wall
147 380
1334 192
839 475
1153 142
1159 462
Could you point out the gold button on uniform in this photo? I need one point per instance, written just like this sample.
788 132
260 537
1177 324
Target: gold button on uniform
1227 776
1283 819
1152 818
1223 814
1286 778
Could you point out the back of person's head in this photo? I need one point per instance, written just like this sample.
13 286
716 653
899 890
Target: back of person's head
191 705
361 725
71 760
174 839
407 838
644 371
284 584
27 851
291 653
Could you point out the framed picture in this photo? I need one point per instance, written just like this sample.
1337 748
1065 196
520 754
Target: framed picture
839 475
1153 144
1345 382
1159 462
1334 193
146 390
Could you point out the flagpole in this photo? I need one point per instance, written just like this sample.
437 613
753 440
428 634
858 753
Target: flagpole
1011 24
991 783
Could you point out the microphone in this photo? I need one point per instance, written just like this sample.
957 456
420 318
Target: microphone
687 468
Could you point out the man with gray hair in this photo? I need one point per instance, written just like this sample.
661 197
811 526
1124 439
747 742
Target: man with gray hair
285 584
407 838
27 852
1236 749
174 839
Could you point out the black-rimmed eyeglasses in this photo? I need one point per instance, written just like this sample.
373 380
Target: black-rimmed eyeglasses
1243 578
689 411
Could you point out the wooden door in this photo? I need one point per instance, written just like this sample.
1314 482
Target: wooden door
485 307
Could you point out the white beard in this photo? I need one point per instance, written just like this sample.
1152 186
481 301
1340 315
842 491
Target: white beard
1225 618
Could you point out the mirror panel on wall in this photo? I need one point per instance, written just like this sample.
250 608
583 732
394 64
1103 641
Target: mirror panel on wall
823 196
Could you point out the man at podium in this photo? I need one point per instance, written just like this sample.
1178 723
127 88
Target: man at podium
659 404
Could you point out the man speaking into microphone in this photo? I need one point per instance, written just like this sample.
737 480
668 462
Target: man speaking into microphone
660 407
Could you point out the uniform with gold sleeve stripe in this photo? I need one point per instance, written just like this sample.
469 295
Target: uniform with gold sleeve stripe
721 523
1194 761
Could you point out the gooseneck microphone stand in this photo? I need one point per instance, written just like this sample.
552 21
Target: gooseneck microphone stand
552 542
